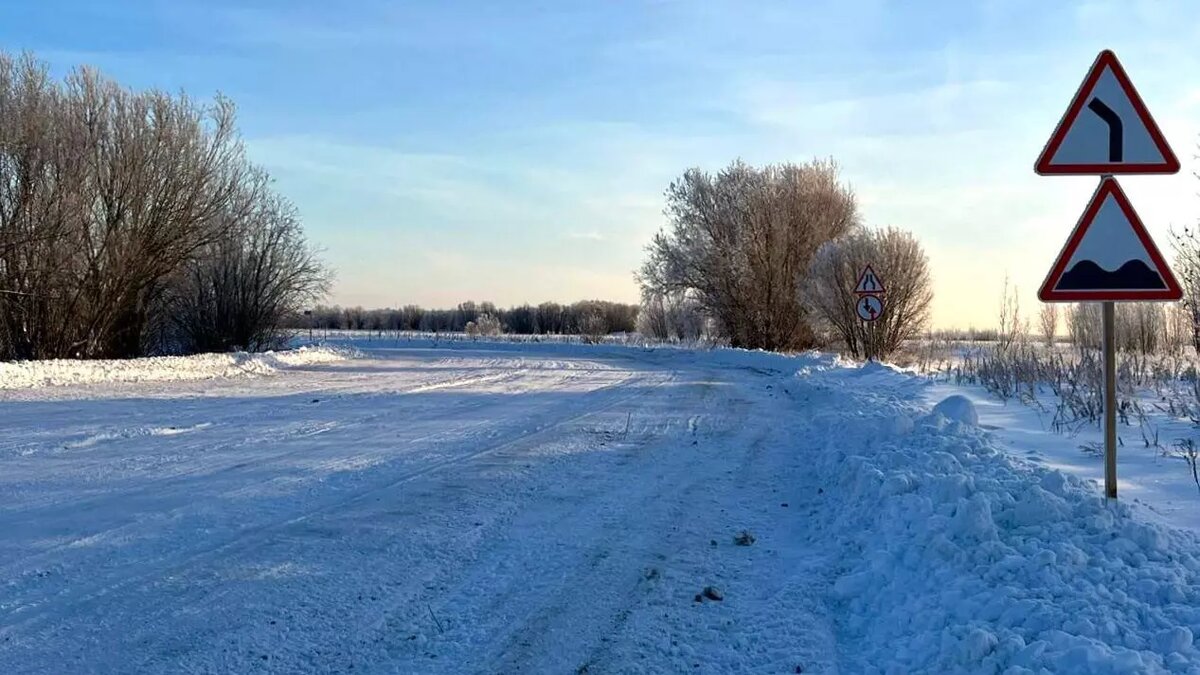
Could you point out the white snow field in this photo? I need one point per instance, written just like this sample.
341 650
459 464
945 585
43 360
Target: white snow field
488 508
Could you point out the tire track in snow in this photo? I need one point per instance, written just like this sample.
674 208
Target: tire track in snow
201 599
660 525
590 587
259 462
79 598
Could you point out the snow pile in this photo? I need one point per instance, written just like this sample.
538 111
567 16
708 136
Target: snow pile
29 374
958 408
957 558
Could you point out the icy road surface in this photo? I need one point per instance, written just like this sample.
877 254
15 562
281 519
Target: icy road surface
538 509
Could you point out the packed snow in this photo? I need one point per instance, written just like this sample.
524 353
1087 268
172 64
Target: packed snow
474 507
58 372
958 408
1151 472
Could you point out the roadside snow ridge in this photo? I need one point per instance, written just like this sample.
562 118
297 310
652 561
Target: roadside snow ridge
58 372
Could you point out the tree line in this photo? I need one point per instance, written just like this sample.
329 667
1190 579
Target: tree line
587 317
132 222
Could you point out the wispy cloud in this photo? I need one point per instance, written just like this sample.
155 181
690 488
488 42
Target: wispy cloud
585 236
500 138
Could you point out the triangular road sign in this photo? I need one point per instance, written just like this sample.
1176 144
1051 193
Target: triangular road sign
868 282
1110 256
1106 129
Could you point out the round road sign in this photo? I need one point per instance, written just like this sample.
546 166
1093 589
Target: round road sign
869 307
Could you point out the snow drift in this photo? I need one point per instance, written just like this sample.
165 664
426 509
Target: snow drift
957 558
31 374
958 408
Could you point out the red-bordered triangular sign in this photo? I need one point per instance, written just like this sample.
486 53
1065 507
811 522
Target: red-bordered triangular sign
869 283
1106 129
1110 256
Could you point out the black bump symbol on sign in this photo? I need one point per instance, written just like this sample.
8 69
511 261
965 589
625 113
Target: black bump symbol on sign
1115 129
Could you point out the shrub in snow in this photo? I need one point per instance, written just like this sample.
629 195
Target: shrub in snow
959 409
488 325
593 327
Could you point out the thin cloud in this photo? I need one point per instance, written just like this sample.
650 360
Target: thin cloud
586 236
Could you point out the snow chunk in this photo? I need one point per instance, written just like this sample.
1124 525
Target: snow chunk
978 644
959 409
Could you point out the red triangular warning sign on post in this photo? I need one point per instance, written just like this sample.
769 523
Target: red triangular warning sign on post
1110 256
869 283
1106 129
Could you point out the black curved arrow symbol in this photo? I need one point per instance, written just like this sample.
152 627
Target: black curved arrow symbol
1115 130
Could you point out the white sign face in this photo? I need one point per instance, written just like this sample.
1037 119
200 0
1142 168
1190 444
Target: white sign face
869 282
1107 129
1110 256
869 307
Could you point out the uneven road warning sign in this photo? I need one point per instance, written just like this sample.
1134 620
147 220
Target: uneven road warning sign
868 282
1110 256
1106 129
869 307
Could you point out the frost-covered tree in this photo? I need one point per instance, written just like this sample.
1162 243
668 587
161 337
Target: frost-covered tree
593 326
1012 328
898 259
671 316
1186 244
108 198
1048 322
1084 325
1178 327
487 325
1141 327
238 292
740 243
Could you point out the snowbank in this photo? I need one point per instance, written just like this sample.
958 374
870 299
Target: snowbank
1151 467
734 357
957 558
959 409
30 374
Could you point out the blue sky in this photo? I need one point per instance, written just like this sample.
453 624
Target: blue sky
515 152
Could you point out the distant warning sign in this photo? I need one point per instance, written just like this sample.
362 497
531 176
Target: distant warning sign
1110 256
1106 129
869 307
868 282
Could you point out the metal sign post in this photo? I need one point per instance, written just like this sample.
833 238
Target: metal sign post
1110 399
1109 257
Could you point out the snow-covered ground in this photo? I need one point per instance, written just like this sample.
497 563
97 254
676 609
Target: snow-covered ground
29 374
500 508
1150 471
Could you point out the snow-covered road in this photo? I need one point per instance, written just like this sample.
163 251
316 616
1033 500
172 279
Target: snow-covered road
558 509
